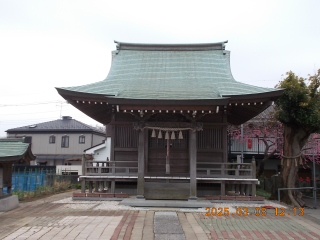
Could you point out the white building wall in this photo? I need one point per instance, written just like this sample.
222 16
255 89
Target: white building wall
257 146
69 168
101 152
40 143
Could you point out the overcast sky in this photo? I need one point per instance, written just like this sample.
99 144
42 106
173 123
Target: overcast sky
48 44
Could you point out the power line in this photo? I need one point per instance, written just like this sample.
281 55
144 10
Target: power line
8 122
29 104
38 112
25 94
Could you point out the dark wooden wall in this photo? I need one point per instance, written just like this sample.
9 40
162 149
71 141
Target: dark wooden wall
211 144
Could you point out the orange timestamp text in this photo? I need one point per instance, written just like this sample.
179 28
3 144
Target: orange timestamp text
257 212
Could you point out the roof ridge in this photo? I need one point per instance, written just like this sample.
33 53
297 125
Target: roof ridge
32 124
171 46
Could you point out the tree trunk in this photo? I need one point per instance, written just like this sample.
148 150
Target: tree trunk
261 168
267 155
294 140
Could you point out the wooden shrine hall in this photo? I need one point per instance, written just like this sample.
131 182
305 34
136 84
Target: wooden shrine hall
167 108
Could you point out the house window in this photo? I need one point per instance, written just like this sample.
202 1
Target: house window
52 139
27 139
82 139
65 142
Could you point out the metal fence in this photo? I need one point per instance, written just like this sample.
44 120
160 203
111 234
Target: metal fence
31 183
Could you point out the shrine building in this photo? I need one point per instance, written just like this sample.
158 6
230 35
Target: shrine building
167 108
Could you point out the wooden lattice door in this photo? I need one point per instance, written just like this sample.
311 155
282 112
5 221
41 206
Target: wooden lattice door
179 155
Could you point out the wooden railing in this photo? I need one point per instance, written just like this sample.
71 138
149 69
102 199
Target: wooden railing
207 169
226 170
95 168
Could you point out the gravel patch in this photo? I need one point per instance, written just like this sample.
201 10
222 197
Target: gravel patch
248 205
95 205
114 205
200 210
78 206
69 200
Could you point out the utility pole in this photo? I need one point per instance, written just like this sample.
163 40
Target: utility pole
314 183
241 143
60 105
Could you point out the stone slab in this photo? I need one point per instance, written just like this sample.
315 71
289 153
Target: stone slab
167 226
235 201
97 199
9 203
169 236
166 203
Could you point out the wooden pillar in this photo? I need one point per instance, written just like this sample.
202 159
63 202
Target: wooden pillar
253 168
223 188
1 181
224 154
193 164
107 186
83 185
83 181
247 190
96 186
113 186
90 186
242 191
141 163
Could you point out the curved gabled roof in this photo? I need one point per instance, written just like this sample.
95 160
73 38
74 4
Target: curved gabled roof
14 149
170 72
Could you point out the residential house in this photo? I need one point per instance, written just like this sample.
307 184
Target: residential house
56 141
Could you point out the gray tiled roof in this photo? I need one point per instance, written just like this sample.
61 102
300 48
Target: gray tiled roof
57 125
165 75
12 147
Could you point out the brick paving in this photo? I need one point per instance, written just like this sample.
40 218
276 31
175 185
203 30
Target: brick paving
45 219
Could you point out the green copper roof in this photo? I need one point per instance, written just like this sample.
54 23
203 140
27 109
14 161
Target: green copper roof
167 72
12 148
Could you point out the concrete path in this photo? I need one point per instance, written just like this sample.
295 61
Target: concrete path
167 226
48 219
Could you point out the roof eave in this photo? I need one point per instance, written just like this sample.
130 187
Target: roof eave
271 94
81 96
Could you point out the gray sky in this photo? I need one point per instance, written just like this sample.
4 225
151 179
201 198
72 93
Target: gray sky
47 44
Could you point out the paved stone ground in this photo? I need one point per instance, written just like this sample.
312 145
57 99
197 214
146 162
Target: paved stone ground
48 219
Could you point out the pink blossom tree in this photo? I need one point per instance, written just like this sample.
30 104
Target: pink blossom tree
311 150
268 133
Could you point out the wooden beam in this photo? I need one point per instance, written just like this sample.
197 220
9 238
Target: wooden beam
166 107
